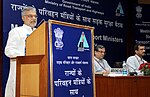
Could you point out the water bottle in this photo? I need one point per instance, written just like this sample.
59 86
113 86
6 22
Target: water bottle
124 70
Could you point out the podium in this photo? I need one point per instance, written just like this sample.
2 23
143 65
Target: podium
55 62
32 69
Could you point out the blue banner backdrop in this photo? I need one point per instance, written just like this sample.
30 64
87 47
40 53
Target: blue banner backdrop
107 16
72 61
142 27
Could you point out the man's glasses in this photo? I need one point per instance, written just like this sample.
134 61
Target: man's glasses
102 52
31 16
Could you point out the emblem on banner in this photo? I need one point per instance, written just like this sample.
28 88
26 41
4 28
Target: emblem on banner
138 10
83 44
119 10
58 35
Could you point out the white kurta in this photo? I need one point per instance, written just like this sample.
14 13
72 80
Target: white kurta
15 47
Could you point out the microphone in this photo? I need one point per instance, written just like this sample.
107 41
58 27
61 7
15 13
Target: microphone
40 23
134 73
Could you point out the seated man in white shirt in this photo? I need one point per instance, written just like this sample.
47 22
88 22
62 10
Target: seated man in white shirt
133 62
100 64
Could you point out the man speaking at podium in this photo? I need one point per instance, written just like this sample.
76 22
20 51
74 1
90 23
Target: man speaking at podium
16 46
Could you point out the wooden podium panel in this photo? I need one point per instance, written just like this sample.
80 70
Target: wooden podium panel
128 86
36 43
29 80
30 75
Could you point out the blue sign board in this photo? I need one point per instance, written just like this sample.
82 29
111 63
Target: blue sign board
72 51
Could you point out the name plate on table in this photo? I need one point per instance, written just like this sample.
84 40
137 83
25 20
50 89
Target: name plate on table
116 72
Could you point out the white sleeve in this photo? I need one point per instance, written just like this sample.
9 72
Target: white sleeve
131 64
11 49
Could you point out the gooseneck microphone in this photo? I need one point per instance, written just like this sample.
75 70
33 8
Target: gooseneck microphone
40 23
